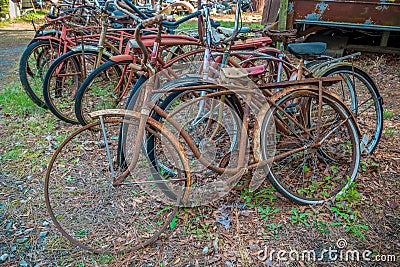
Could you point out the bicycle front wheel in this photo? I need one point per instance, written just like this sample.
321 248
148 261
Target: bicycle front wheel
304 171
63 79
97 215
214 126
104 88
33 65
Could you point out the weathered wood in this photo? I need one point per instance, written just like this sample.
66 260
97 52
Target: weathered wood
385 38
374 49
270 12
283 15
258 5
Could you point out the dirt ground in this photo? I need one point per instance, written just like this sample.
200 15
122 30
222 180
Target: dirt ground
28 237
13 41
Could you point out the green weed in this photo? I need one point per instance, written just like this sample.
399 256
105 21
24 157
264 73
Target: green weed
365 165
350 194
174 221
258 198
321 226
106 259
390 132
80 233
388 114
299 218
201 231
267 212
273 228
345 214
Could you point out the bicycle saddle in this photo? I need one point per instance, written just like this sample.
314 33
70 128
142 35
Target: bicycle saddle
303 50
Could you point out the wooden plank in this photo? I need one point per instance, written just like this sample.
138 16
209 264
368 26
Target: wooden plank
385 38
270 12
374 49
283 15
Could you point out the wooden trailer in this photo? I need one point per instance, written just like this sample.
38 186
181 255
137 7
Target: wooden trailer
364 25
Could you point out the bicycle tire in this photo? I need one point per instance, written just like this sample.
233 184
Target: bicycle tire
365 88
92 213
89 100
151 148
30 69
63 80
323 176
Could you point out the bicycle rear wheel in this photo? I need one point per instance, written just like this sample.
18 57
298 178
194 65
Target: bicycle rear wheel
359 92
310 174
93 213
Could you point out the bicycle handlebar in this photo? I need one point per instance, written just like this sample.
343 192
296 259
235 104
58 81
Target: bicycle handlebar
158 19
182 20
164 23
135 9
237 17
106 5
154 20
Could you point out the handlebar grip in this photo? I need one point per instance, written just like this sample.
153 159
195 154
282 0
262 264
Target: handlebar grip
154 20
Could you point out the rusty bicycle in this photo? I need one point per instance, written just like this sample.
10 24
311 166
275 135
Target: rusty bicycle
192 148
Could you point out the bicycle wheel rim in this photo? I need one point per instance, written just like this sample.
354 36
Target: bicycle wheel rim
33 70
79 230
365 102
103 89
282 178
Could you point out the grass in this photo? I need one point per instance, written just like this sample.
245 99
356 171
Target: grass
30 129
192 24
390 132
388 114
25 151
14 100
28 17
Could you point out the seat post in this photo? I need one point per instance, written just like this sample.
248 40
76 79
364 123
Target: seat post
300 69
